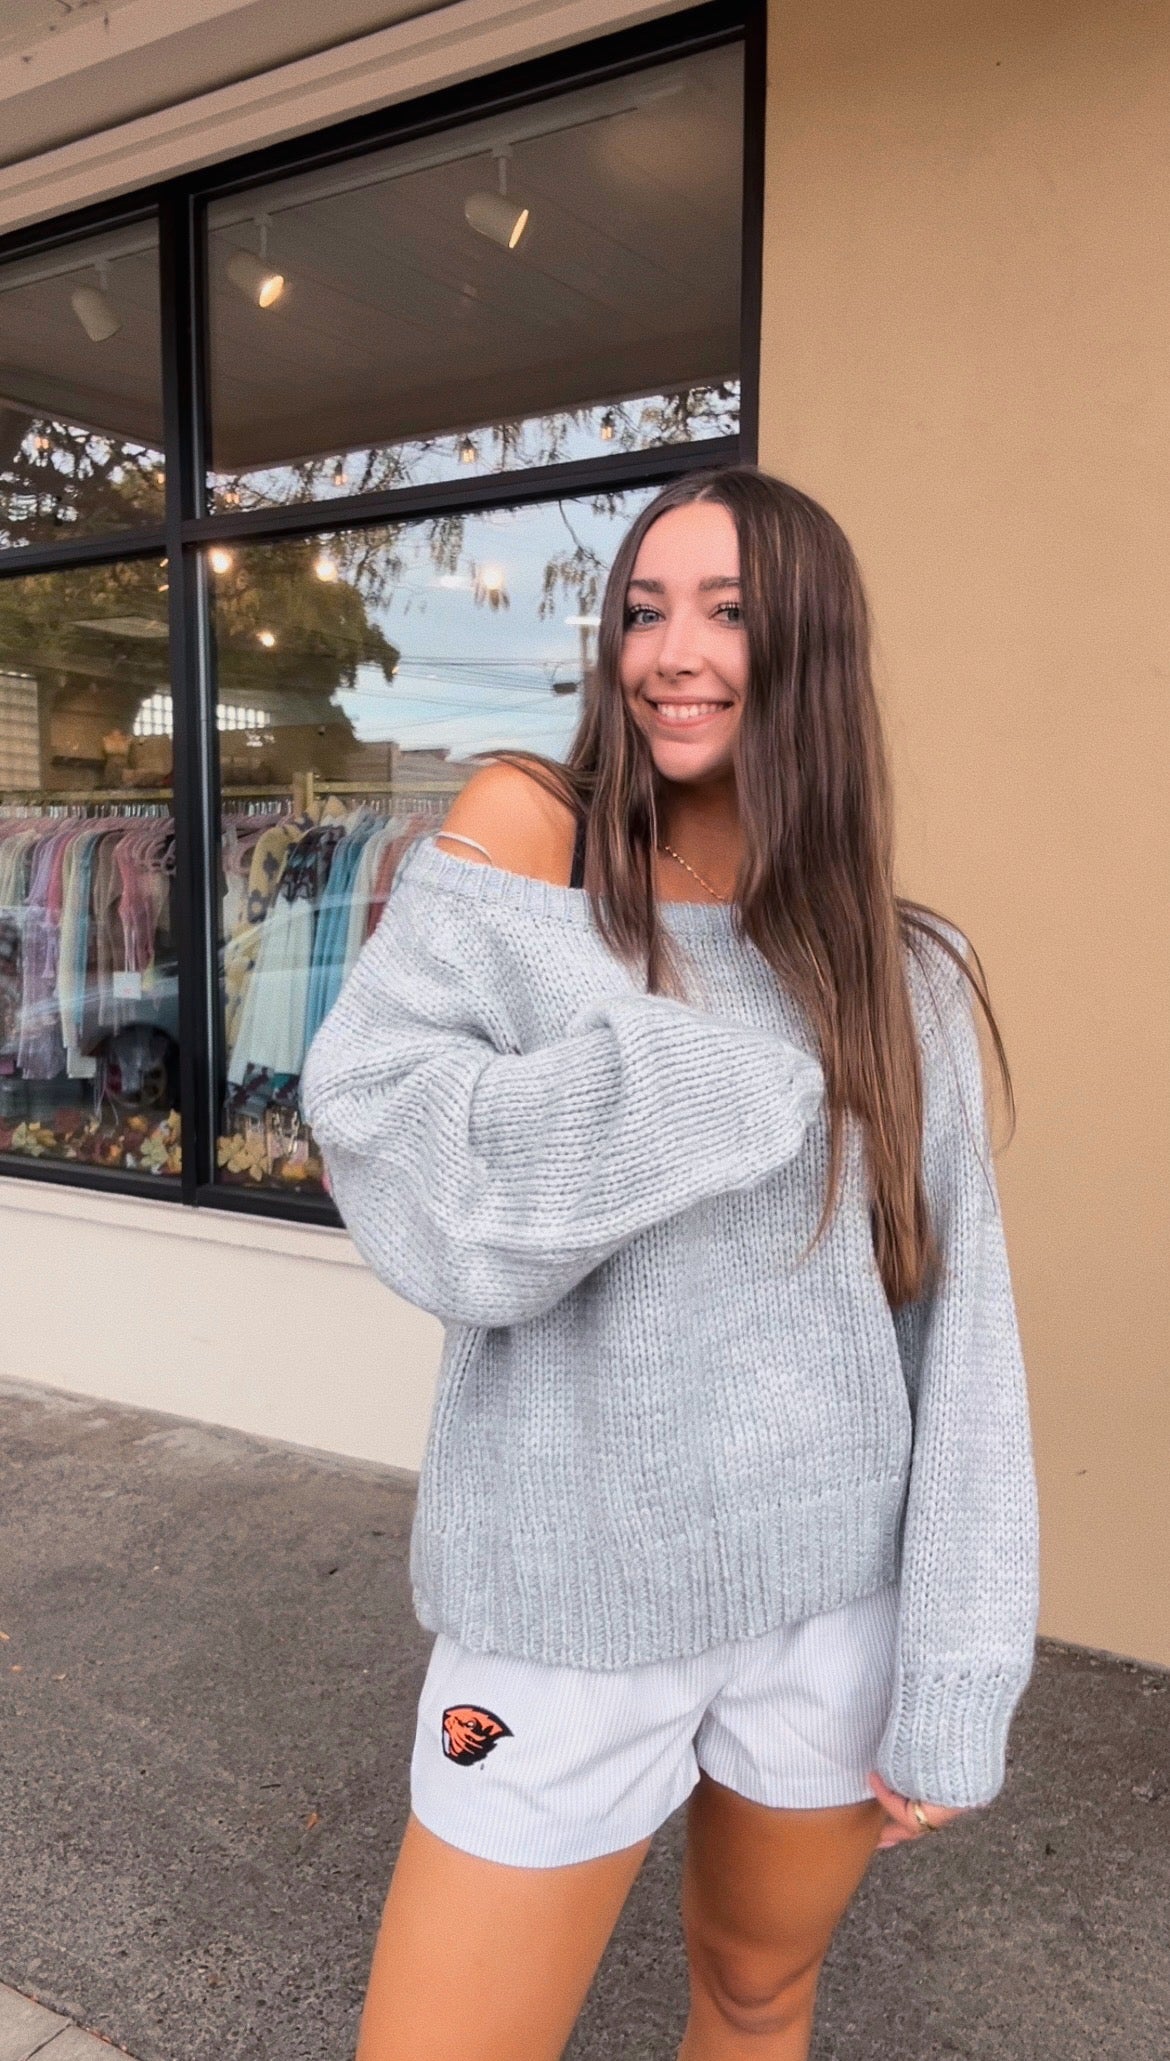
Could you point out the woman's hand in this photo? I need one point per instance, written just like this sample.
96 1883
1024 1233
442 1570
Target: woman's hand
902 1822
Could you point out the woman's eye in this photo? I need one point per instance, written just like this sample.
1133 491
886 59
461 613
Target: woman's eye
731 610
636 611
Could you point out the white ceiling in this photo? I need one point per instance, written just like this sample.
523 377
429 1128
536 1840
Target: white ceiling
72 68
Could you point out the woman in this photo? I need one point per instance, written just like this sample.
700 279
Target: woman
678 1124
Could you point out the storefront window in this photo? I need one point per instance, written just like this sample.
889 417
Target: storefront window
80 398
357 674
558 283
497 320
88 975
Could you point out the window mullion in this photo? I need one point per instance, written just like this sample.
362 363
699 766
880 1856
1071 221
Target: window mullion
192 689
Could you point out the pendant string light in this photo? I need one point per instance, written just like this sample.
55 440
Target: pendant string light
494 215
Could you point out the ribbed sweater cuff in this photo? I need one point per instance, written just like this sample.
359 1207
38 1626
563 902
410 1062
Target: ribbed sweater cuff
946 1739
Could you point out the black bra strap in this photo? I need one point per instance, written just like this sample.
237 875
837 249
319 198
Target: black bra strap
577 876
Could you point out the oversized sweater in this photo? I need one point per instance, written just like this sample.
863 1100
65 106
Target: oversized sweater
657 1427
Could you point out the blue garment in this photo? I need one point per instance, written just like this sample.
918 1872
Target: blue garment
331 929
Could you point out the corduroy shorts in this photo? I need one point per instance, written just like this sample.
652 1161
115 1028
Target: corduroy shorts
537 1766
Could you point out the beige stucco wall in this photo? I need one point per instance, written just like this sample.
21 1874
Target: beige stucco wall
967 358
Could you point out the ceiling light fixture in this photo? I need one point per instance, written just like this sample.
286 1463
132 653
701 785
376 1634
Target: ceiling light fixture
607 426
467 452
340 475
325 566
493 214
219 560
253 275
267 638
94 309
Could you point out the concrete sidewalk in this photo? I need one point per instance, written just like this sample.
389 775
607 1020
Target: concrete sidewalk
209 1678
28 2029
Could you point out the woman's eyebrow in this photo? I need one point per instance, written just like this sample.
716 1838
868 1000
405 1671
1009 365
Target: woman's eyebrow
705 586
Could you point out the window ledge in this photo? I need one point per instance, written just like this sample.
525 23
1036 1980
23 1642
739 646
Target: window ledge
170 1220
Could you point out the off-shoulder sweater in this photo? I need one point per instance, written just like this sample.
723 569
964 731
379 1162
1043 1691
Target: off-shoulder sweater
657 1426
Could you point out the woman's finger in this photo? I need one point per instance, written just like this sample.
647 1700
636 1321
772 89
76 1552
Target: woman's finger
904 1821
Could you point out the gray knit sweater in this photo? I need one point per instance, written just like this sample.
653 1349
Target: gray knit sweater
656 1428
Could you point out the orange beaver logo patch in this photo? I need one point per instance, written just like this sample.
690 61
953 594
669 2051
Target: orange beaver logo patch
470 1733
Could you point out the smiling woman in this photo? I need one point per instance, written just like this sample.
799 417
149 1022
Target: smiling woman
684 654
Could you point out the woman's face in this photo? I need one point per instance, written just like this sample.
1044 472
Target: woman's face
684 662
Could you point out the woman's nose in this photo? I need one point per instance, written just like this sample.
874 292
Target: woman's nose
678 650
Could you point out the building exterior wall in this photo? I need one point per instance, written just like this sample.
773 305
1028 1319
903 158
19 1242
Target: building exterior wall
964 354
275 1329
966 343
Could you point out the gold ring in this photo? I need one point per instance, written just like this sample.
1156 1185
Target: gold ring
923 1821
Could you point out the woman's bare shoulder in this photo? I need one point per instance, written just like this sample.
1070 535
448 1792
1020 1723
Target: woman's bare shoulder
522 827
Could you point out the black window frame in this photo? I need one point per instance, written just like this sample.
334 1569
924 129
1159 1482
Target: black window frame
179 206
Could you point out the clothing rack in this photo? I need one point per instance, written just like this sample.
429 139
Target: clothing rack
306 785
53 806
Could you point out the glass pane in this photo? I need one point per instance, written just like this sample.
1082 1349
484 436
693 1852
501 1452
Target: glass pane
372 328
80 390
357 673
89 1021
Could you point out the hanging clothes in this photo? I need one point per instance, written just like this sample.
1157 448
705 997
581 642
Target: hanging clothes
271 1028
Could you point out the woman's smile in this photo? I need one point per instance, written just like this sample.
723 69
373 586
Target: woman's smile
687 715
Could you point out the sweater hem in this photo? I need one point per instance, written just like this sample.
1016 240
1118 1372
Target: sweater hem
627 1601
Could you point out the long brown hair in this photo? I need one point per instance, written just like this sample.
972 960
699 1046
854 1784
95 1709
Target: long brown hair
815 893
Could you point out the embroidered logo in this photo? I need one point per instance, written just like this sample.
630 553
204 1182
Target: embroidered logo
470 1733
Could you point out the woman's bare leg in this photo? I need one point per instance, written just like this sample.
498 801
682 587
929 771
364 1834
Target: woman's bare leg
763 1892
476 1961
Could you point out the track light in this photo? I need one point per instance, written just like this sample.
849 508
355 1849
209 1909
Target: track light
253 275
607 426
267 638
325 566
94 309
467 452
219 560
493 214
340 475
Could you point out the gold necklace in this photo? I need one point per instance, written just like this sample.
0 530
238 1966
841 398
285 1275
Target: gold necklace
690 869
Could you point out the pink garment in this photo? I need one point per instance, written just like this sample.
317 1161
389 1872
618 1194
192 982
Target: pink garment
41 1053
140 856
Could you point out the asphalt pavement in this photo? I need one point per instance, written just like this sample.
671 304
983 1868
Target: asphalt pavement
209 1671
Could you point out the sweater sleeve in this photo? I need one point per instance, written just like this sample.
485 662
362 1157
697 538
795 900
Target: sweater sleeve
483 1183
969 1597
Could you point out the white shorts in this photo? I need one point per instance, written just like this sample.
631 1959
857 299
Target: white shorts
538 1766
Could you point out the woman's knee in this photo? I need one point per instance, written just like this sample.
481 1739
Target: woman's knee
753 1992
